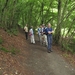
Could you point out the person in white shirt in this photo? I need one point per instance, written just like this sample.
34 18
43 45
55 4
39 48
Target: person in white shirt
26 31
39 33
31 33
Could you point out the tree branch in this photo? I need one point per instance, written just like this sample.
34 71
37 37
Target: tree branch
4 6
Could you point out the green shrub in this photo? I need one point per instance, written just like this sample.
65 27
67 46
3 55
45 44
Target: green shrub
14 50
1 40
12 32
4 49
72 45
68 46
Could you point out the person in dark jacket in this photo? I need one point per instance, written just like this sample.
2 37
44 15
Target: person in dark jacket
49 37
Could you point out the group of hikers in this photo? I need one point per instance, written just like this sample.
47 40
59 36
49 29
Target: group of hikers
44 35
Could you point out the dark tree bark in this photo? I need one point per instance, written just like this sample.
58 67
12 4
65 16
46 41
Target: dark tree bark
58 28
42 6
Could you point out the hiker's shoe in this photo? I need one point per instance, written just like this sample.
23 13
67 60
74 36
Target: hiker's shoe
48 51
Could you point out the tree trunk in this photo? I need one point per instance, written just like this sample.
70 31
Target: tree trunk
42 20
58 28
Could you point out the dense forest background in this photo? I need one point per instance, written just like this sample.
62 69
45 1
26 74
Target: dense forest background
60 13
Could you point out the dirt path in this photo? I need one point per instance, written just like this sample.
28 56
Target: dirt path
39 62
43 63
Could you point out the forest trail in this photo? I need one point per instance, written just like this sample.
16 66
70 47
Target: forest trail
32 59
42 63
